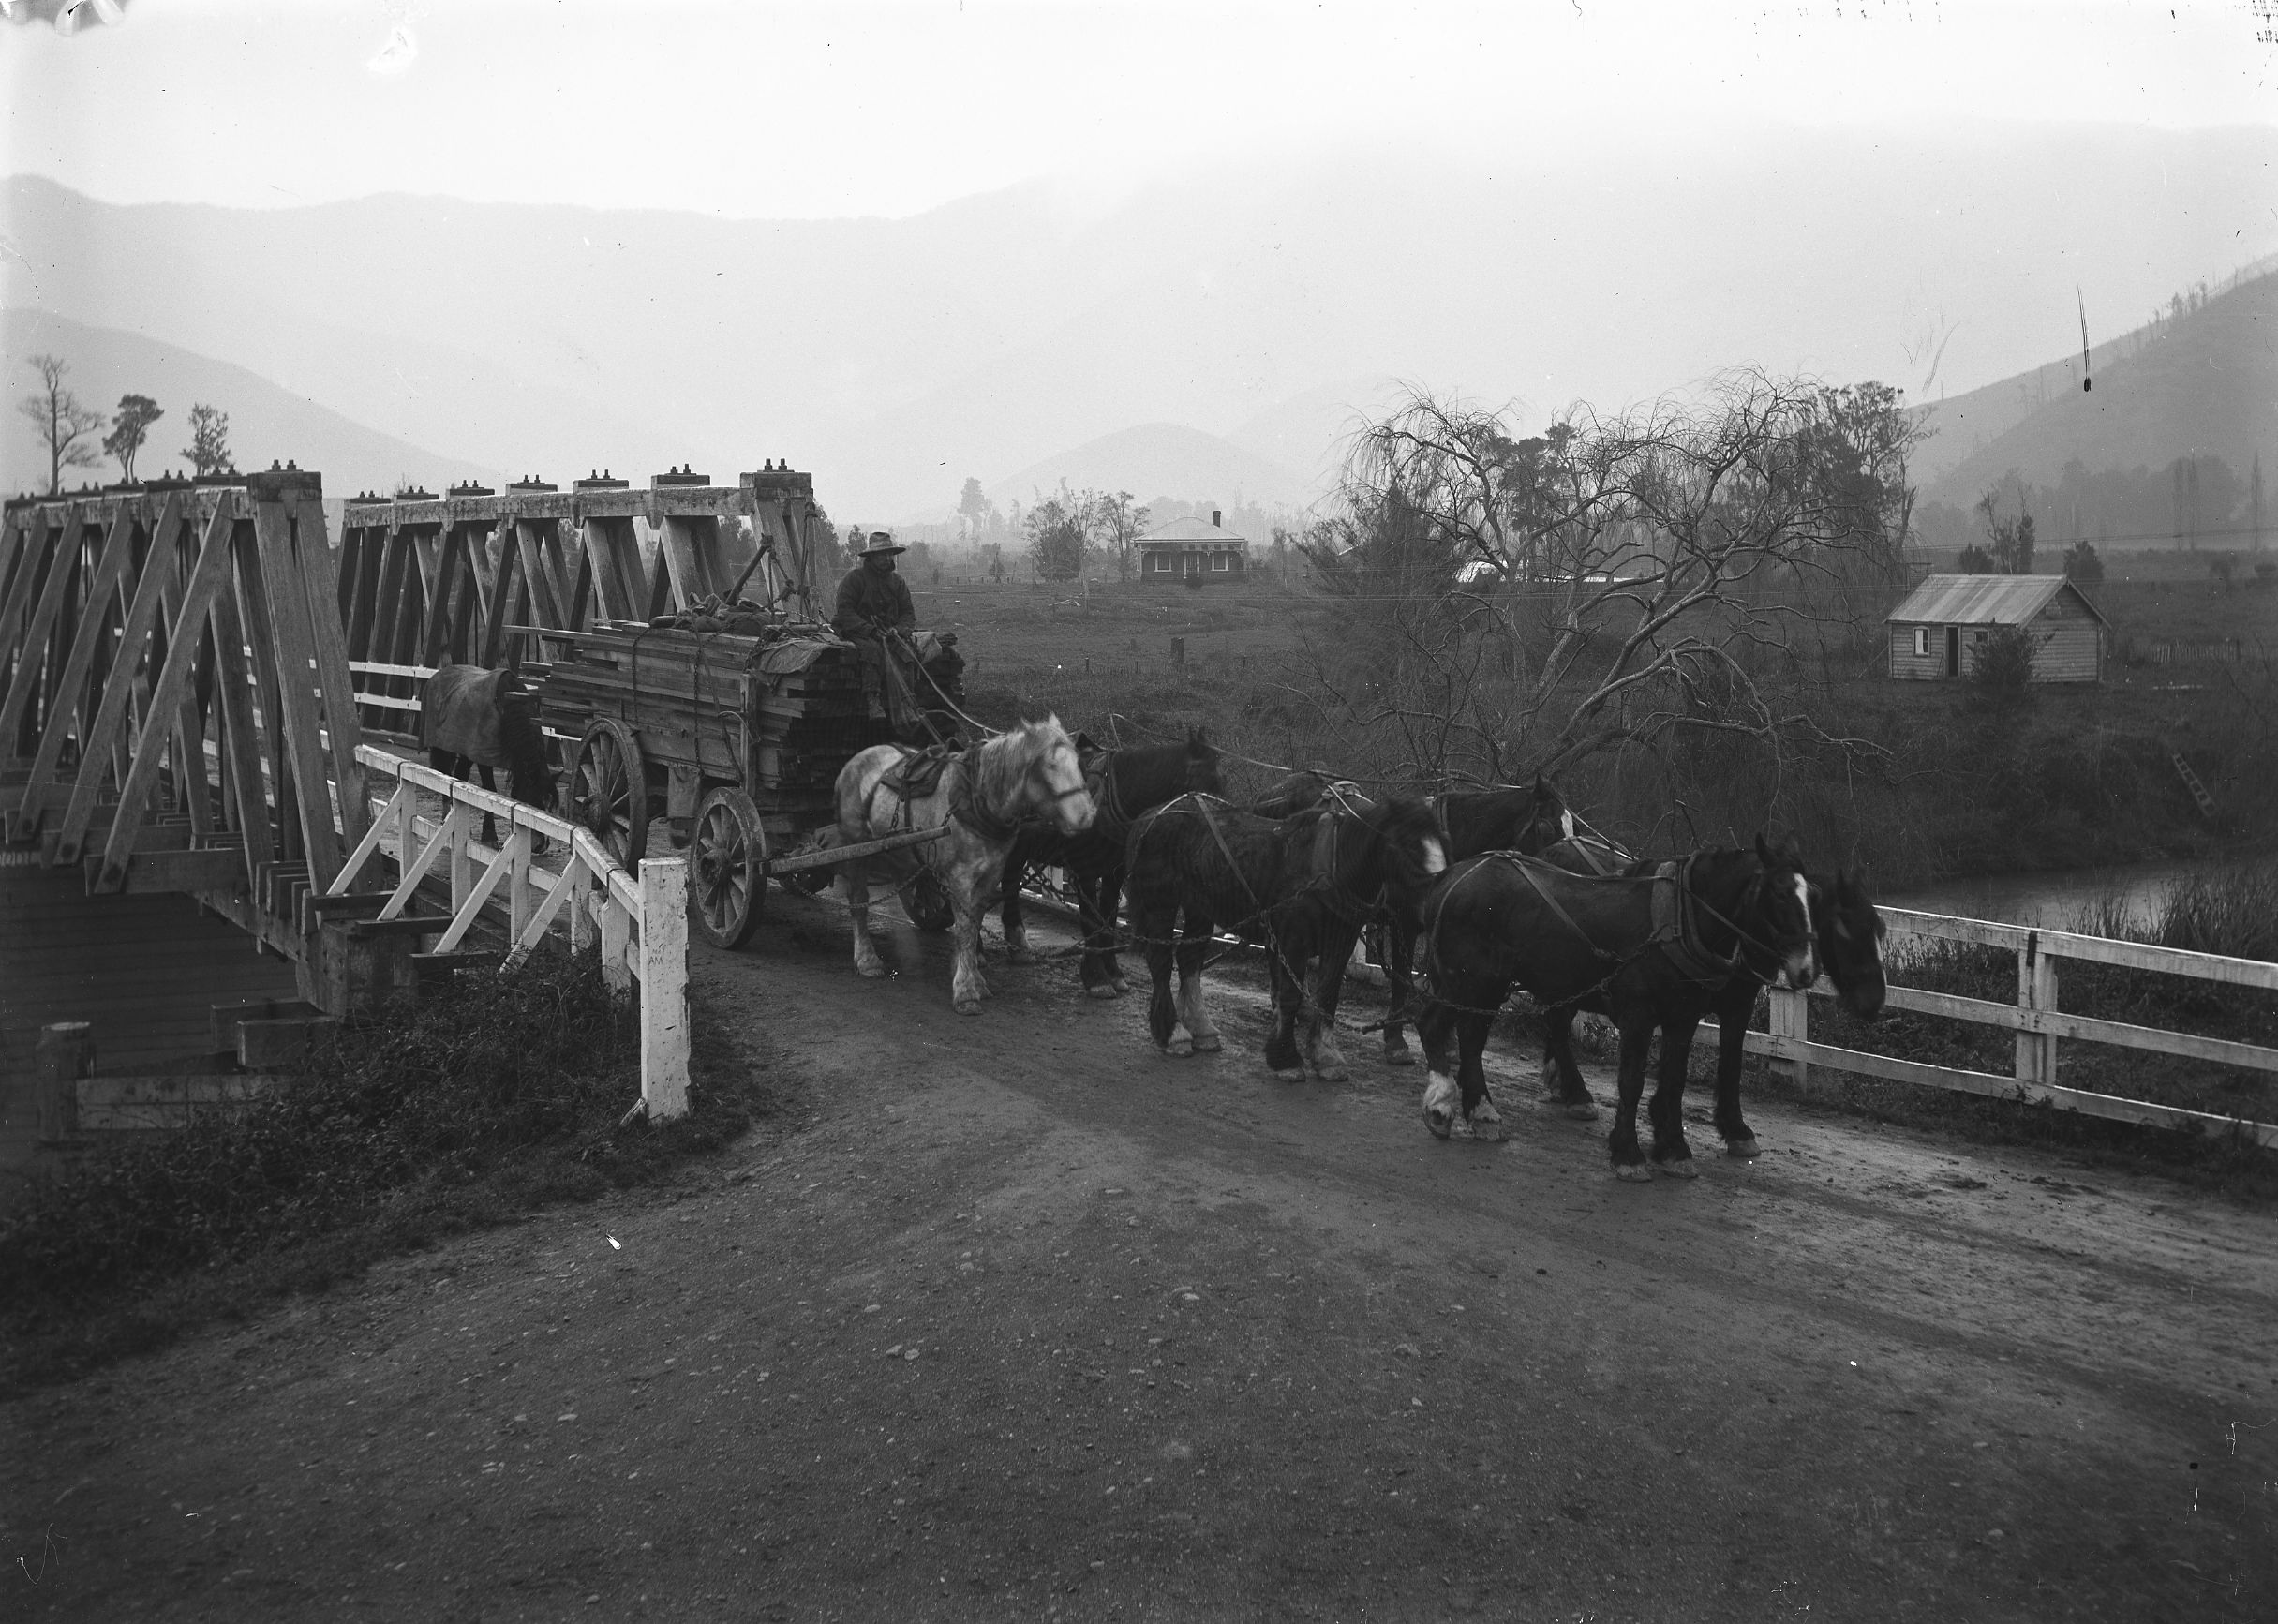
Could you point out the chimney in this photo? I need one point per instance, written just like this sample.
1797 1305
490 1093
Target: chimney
1215 519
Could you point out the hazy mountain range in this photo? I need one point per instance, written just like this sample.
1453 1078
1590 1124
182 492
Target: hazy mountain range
1200 337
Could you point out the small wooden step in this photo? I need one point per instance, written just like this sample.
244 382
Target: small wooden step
434 969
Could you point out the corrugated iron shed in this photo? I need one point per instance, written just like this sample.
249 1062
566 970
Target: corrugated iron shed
1985 599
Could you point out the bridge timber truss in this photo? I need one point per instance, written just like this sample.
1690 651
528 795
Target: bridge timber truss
192 677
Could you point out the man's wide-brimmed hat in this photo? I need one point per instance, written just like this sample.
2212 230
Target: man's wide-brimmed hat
881 542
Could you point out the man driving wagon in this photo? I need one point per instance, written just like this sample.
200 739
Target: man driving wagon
906 684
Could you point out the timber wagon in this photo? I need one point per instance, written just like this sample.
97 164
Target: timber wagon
735 736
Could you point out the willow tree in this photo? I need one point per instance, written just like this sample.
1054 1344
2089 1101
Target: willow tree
1506 602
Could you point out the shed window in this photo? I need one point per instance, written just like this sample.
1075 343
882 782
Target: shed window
1217 561
1977 636
1159 563
1922 642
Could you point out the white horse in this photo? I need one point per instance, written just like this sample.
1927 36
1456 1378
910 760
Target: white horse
984 793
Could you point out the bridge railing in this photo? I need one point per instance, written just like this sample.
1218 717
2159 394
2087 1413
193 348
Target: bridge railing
2038 1022
638 924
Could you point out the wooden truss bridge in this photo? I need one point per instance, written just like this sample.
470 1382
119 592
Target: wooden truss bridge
192 680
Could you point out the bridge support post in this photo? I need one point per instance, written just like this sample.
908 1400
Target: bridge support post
665 987
66 1053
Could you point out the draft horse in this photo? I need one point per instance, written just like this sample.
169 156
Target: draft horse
1298 885
1652 951
1124 783
980 797
1529 819
473 718
1847 940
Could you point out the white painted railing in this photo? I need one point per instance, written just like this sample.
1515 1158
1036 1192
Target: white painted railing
2038 1022
639 926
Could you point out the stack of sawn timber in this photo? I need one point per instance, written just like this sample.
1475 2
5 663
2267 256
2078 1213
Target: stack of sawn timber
796 686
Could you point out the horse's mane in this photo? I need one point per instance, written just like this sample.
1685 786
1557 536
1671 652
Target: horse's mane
999 762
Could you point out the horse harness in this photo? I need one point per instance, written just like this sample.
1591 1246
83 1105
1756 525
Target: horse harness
1674 912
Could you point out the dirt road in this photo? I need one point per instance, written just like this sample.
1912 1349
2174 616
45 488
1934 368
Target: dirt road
1023 1321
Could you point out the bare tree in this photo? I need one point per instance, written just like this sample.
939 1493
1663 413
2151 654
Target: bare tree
64 427
1115 520
129 428
1522 603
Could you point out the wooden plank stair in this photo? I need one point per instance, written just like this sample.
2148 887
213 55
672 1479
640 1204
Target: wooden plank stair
2191 782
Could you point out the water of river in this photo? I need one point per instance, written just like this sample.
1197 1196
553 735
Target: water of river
2056 899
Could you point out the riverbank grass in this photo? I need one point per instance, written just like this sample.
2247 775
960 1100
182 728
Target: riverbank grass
470 1108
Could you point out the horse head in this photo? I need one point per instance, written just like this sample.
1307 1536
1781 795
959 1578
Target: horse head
1850 934
1202 765
1051 780
1548 820
1784 912
1409 852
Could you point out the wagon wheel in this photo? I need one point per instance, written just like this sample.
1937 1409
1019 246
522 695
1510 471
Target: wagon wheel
609 790
727 868
926 902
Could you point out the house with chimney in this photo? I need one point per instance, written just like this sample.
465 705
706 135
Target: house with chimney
1184 550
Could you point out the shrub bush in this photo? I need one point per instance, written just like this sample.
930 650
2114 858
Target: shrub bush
2004 671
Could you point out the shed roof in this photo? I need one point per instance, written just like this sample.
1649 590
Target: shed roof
1985 599
1188 532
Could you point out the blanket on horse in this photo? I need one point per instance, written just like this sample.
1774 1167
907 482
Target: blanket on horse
462 709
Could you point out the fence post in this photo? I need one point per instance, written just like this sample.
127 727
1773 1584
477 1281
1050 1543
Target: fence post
1790 1016
2036 988
665 987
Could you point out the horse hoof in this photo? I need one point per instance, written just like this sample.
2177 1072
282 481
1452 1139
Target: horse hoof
1582 1110
1633 1173
1440 1119
1289 1073
1681 1167
969 1006
1743 1147
1334 1073
1398 1057
1179 1048
1209 1043
1485 1129
1019 956
1101 992
1120 986
875 972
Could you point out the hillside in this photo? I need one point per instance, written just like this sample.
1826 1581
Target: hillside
2202 384
1160 460
896 357
267 423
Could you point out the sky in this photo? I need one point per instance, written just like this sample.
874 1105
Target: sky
833 110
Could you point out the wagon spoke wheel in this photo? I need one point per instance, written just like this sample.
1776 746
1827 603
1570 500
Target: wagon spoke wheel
609 790
727 868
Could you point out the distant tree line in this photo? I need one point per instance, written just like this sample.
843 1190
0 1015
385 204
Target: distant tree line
73 434
2190 501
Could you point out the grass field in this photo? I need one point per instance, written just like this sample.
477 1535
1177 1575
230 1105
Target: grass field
2075 775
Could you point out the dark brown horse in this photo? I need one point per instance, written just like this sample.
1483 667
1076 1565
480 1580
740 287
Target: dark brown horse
1653 951
1847 937
473 717
1527 819
1124 783
1293 884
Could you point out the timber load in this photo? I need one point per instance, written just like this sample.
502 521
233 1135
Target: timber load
779 709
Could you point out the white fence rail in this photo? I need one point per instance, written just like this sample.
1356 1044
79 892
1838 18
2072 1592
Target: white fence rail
638 925
2038 1022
